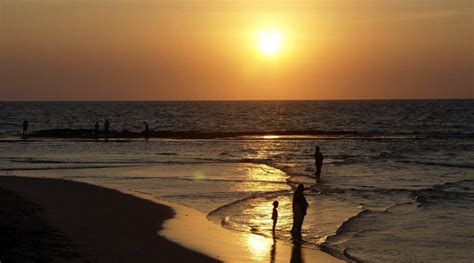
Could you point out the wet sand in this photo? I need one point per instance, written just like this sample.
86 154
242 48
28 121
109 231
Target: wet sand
91 224
97 224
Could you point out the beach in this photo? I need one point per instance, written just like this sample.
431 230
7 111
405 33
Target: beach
236 131
395 186
87 223
100 225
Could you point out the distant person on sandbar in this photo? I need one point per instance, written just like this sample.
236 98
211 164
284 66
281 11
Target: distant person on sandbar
274 215
96 128
300 206
318 161
146 132
106 128
25 128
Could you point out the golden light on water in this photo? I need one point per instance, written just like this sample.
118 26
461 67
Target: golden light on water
265 173
259 246
270 137
198 175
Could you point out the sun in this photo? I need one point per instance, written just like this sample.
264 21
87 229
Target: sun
270 42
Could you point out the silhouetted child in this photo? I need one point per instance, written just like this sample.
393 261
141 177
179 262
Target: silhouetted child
275 215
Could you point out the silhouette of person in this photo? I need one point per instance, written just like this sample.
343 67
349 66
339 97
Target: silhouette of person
25 128
318 161
106 128
96 128
147 130
299 211
274 215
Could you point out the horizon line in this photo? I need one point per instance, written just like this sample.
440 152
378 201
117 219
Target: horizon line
241 100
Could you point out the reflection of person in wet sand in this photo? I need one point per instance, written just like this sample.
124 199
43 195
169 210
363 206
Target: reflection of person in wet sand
296 256
299 211
318 161
273 251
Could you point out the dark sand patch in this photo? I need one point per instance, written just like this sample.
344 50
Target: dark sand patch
26 236
77 222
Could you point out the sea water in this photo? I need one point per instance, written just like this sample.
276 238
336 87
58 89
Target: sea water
398 176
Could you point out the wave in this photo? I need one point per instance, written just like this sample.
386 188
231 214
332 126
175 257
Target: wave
85 133
457 191
39 161
257 195
62 168
249 135
348 227
460 192
431 163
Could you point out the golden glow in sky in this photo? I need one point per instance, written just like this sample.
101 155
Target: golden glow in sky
270 42
235 50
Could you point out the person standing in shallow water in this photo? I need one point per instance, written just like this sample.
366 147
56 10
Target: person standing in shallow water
146 132
106 128
96 128
275 216
318 161
300 206
25 128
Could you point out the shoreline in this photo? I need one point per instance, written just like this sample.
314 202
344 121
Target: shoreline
185 229
102 225
234 246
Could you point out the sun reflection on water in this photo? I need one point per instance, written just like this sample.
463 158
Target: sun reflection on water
265 173
259 246
258 215
270 137
199 175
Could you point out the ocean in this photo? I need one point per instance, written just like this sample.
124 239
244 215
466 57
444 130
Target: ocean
398 175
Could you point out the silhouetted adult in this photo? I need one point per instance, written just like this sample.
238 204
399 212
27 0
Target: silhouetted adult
25 127
299 211
96 128
106 128
146 132
318 161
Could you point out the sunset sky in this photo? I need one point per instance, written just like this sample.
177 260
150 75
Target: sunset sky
212 50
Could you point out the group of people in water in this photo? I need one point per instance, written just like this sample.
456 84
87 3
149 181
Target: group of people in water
97 131
106 128
299 203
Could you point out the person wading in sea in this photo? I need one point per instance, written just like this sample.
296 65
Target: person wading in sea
25 128
106 128
299 211
96 129
318 161
146 132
